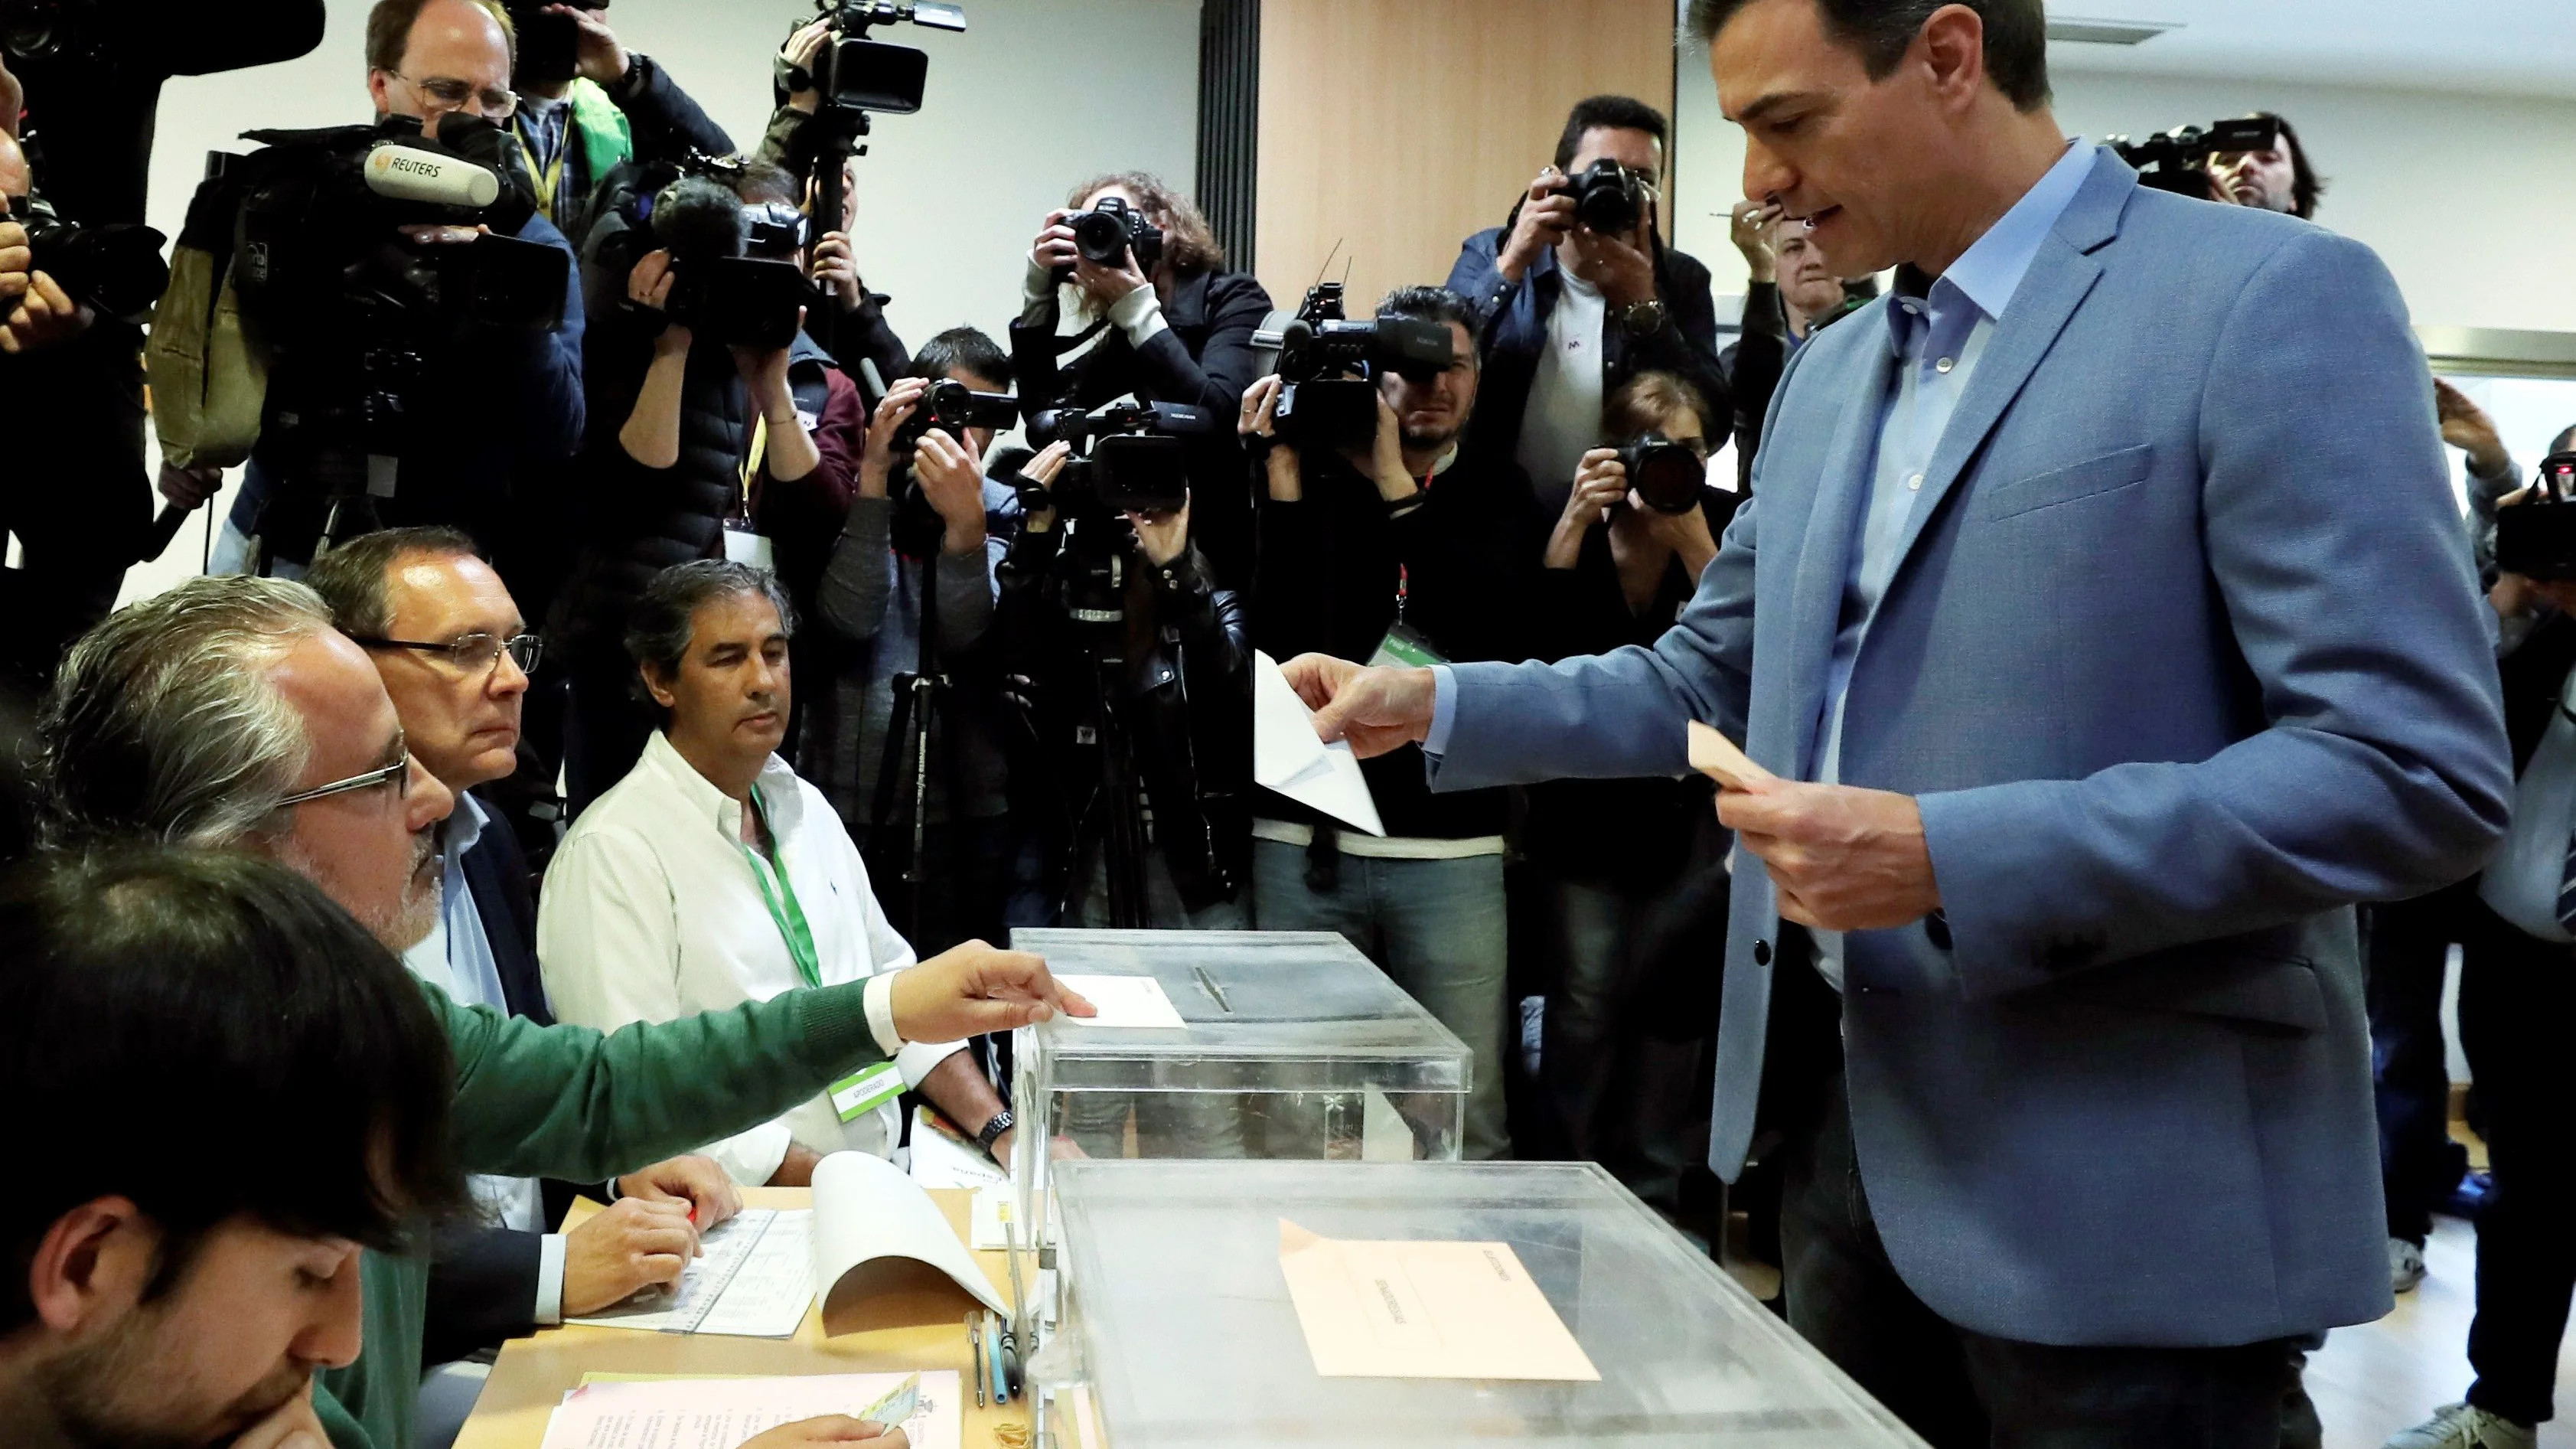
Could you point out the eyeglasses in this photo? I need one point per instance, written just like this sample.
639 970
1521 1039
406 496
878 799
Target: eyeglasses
453 95
397 774
473 653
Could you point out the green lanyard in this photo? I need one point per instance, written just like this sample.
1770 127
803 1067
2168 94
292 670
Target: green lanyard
782 901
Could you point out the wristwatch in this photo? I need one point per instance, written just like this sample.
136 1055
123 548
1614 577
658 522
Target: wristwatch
1643 319
993 1131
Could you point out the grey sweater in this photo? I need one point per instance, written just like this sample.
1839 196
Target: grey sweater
869 602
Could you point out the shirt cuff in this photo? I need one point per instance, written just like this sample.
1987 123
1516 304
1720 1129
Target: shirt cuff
1038 283
879 997
550 1276
1444 710
1139 314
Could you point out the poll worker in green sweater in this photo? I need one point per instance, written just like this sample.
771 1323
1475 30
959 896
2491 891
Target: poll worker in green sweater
227 713
187 1296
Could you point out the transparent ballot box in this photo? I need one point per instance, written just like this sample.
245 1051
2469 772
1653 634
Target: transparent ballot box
1178 1327
1275 1044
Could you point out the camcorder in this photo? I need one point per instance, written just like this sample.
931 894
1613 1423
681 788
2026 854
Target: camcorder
46 29
734 277
1129 458
549 44
1106 233
2178 160
1329 368
1609 198
858 74
1667 476
2537 538
115 270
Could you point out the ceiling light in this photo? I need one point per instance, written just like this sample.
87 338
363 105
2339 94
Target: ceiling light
2107 32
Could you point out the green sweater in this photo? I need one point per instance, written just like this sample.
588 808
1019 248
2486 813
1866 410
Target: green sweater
569 1102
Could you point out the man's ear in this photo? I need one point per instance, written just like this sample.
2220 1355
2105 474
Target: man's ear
93 1264
1952 46
656 687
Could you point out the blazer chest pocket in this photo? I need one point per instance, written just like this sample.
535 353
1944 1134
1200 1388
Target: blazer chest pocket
2108 473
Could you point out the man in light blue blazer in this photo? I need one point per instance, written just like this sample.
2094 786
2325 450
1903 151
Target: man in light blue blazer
2104 613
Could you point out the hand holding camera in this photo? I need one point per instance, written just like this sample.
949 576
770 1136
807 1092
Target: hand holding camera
1161 537
836 271
1260 419
883 426
1547 215
952 481
597 57
649 286
2467 427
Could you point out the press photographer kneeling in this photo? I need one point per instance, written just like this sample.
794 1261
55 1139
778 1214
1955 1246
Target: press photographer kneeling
1382 535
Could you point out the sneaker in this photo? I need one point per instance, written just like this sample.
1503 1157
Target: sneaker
2463 1426
2405 1265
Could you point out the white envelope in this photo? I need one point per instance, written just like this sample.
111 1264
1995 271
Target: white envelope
1289 758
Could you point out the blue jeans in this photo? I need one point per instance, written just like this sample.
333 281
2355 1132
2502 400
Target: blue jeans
1435 926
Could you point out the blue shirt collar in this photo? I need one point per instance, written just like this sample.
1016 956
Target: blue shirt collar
1990 270
463 829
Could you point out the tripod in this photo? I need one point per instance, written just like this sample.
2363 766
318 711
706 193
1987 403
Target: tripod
1099 616
919 694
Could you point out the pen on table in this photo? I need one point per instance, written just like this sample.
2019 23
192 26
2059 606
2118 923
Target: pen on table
993 1334
975 1349
1208 984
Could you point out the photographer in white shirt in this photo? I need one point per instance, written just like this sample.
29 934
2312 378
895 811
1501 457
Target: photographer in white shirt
713 875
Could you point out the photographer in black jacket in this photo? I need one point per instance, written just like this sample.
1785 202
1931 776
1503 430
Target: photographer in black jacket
1573 310
1421 542
1160 318
587 104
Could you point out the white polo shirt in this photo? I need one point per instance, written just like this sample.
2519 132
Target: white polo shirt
654 909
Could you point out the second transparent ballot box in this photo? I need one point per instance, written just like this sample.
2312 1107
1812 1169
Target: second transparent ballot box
1233 1044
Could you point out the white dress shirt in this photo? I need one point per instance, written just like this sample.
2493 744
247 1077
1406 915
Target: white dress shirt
456 957
652 910
1563 419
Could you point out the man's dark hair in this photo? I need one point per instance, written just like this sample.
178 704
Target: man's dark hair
1616 113
351 578
657 632
1882 30
962 349
303 1076
1433 304
2306 186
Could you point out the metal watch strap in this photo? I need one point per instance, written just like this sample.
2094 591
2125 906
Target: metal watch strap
1642 319
993 1131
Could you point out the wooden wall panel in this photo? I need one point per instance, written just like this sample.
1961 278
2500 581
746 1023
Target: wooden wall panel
1399 127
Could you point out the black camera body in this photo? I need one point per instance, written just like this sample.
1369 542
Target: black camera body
1666 476
2178 160
1130 458
1321 402
1106 233
734 277
857 74
116 270
1609 198
953 407
2537 539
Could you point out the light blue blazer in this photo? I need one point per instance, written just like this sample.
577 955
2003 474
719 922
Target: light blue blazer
2183 658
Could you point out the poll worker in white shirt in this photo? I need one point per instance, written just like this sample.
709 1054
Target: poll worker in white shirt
454 654
712 875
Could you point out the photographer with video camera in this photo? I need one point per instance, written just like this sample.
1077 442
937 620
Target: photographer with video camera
422 326
2272 172
1579 293
587 104
699 298
1391 527
852 323
1127 293
903 733
1131 671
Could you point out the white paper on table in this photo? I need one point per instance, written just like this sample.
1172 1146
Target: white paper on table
1134 1002
1288 757
755 1280
866 1210
688 1413
941 1158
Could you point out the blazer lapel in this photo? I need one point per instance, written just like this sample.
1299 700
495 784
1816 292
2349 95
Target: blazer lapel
1824 550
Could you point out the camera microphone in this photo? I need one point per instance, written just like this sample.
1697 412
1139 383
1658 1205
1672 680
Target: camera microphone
408 173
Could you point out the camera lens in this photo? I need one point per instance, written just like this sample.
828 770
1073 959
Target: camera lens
1101 237
1667 476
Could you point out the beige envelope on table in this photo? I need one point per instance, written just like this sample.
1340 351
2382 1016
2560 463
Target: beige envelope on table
1407 1310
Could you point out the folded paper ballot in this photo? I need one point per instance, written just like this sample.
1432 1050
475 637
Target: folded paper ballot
1714 755
1131 1002
1288 757
1423 1310
656 1412
874 1242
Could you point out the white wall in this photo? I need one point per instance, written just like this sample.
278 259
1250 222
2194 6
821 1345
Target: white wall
2469 199
1034 97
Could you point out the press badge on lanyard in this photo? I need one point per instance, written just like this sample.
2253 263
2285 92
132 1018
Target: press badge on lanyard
862 1091
1404 647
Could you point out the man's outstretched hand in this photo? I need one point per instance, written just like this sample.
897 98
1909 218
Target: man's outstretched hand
973 989
1375 710
1840 858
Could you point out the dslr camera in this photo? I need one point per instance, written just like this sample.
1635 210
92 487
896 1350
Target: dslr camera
2178 160
115 270
1126 459
953 407
1105 235
549 45
2537 538
1609 198
1666 476
1321 402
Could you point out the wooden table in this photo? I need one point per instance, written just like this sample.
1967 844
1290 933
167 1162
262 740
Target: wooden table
533 1374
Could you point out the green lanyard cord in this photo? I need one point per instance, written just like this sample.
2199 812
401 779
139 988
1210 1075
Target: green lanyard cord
781 900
